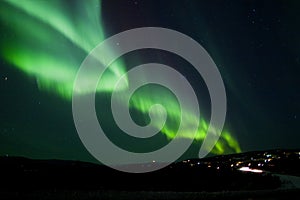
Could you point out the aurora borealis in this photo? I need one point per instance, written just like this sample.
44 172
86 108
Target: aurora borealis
48 40
61 41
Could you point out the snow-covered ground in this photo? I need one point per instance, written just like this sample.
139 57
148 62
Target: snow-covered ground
289 182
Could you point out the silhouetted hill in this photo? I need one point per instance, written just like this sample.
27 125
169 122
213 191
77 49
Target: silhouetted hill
209 174
270 174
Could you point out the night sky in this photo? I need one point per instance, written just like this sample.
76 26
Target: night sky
255 45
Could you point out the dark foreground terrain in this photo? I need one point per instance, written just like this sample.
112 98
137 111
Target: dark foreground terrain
271 174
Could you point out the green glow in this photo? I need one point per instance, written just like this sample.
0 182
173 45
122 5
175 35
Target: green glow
142 100
51 42
73 24
51 39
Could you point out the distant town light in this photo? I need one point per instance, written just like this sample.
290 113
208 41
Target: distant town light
247 169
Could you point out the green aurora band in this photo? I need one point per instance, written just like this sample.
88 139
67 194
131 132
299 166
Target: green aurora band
51 39
142 101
